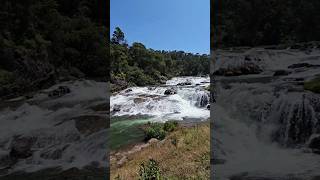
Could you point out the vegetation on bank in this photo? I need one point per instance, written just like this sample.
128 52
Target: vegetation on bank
313 85
183 154
136 65
159 130
44 41
264 22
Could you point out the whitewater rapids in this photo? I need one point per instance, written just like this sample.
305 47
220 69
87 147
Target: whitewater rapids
262 122
190 101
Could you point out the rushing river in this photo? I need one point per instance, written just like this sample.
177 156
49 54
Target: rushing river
189 102
135 106
263 123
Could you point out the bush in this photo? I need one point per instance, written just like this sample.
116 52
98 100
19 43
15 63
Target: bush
313 85
149 171
170 126
155 131
5 77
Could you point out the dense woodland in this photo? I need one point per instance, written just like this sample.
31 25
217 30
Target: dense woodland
264 22
136 65
44 41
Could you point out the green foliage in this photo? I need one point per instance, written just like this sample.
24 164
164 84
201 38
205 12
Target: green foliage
155 130
5 77
313 85
265 22
170 126
118 36
149 170
159 130
38 37
144 66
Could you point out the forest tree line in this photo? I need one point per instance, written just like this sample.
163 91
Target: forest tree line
42 41
136 65
264 22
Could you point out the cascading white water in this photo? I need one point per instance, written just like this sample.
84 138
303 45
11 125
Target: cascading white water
52 129
189 102
261 121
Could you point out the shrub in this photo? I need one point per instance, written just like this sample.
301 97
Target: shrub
155 131
170 126
313 85
5 77
149 171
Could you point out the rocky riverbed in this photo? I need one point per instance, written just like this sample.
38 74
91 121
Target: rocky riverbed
264 119
61 130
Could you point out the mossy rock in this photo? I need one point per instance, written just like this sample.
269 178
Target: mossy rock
313 85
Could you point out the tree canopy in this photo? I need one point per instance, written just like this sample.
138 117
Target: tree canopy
140 66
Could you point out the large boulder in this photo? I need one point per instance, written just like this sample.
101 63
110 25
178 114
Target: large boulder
116 108
281 73
314 143
139 100
244 69
184 83
60 91
128 90
170 91
21 147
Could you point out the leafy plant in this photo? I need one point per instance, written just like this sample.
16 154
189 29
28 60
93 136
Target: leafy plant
155 131
170 126
149 170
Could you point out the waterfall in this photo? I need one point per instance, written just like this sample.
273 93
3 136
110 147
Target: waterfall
202 99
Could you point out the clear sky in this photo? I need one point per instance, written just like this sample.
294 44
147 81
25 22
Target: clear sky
164 24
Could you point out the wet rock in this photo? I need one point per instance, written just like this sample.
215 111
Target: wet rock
128 90
21 147
314 143
184 83
116 108
139 100
208 106
60 91
151 88
203 99
244 69
281 73
170 91
90 124
300 65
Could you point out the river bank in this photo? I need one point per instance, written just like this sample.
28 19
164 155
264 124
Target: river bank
184 153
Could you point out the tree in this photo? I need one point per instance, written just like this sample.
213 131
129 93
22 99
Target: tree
118 36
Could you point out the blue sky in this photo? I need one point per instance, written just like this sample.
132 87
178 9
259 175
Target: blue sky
164 24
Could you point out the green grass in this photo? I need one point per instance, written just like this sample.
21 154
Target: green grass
184 154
